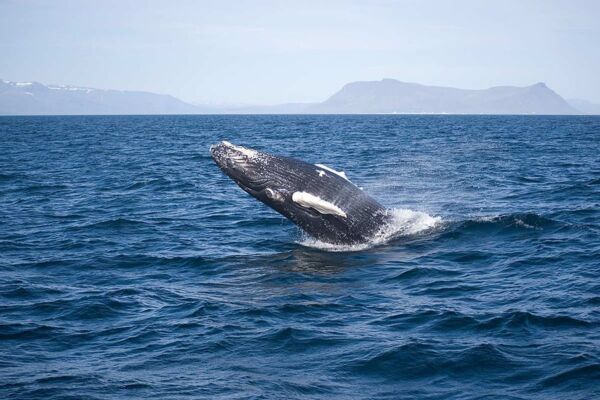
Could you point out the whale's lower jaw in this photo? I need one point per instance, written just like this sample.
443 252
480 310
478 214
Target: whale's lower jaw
319 199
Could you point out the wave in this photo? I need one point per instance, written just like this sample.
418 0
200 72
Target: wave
403 223
503 224
422 359
113 223
517 220
408 223
573 378
505 323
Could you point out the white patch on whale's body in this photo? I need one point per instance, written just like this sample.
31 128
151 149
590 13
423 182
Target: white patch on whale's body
247 152
316 203
338 173
273 195
321 173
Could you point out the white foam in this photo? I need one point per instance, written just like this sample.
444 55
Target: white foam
316 203
403 222
248 152
338 173
522 223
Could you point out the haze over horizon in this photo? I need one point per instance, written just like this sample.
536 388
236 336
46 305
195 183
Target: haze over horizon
267 52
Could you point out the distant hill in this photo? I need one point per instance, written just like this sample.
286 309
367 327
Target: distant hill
585 106
392 96
33 98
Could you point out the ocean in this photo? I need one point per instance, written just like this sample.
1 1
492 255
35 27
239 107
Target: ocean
131 267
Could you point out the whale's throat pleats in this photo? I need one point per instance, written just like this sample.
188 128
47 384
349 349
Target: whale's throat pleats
308 200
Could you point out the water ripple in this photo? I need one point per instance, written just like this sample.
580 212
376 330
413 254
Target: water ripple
132 268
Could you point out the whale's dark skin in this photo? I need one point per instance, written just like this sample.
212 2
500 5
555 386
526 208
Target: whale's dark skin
355 218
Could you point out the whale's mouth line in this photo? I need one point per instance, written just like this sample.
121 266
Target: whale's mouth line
253 186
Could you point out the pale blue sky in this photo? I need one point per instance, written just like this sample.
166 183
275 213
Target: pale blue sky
276 51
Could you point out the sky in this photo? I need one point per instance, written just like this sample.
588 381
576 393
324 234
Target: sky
268 52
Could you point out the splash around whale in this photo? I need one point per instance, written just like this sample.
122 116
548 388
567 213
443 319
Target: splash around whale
323 202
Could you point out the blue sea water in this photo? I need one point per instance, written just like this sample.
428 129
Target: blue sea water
131 267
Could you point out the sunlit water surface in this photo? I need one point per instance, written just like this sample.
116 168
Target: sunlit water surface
131 267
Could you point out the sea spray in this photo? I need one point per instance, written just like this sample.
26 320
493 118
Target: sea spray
402 222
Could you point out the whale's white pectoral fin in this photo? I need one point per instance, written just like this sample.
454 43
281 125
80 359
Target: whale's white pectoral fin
338 173
311 201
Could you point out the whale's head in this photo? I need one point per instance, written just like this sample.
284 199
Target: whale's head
317 198
259 174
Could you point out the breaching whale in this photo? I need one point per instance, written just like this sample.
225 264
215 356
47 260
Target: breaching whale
320 200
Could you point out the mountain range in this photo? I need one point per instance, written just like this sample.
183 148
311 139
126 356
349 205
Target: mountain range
387 96
33 98
392 96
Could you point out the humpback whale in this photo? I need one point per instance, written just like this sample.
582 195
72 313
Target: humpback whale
320 200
